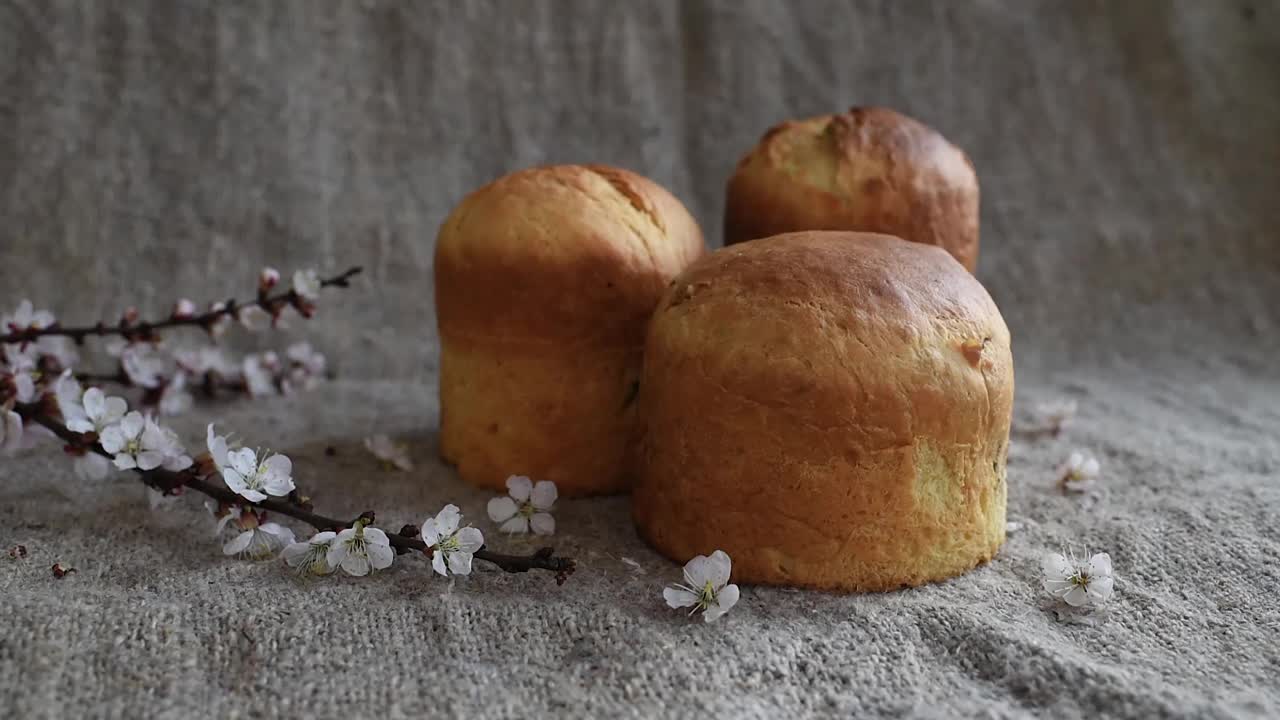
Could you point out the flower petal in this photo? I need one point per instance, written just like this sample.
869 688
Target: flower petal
725 599
177 463
296 553
244 461
132 424
283 534
375 536
277 466
437 563
112 411
1099 566
544 495
502 509
516 525
125 461
459 563
380 556
1100 589
94 402
338 551
1058 588
1055 567
519 487
238 544
356 564
150 459
698 571
1076 596
469 539
447 519
721 567
112 439
543 524
678 598
11 430
430 533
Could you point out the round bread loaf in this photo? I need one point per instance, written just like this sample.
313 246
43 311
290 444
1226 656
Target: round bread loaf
544 282
870 169
829 408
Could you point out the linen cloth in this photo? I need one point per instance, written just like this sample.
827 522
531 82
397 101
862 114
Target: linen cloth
1128 155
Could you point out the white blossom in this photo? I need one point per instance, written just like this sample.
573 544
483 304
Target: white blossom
706 586
144 364
17 356
1079 473
174 397
257 539
254 476
10 431
26 317
18 373
206 359
1075 582
306 283
259 373
391 453
268 277
526 506
311 556
220 325
138 442
452 546
20 382
184 308
87 411
306 367
252 317
62 349
360 550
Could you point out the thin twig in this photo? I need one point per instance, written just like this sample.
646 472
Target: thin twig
168 481
146 330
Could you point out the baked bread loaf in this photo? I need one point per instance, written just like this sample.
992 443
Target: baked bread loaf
870 169
544 282
829 408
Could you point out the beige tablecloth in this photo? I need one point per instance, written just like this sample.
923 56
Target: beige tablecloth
1128 153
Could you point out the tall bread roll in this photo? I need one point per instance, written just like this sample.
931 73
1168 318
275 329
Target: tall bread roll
545 280
869 169
831 409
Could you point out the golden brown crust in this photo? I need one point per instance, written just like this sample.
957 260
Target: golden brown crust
545 280
831 409
870 170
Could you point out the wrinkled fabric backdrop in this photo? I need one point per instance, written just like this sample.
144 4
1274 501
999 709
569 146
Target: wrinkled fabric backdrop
1129 154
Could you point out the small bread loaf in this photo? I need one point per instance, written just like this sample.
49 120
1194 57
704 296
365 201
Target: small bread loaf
545 280
829 408
870 169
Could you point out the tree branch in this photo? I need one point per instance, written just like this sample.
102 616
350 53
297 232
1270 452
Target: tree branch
168 481
145 330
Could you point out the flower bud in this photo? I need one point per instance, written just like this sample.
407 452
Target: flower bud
184 309
267 279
